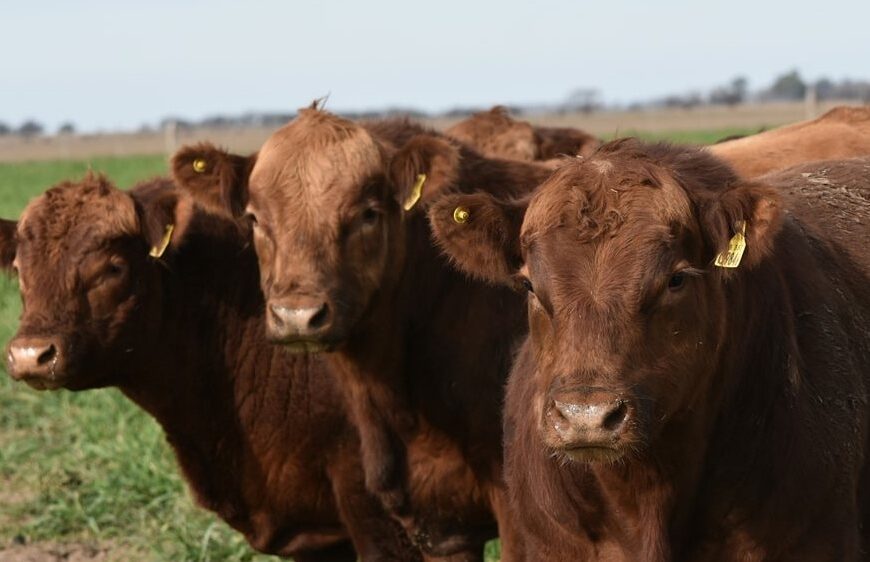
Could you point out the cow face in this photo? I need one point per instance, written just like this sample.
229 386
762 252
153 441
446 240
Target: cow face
626 306
326 202
81 252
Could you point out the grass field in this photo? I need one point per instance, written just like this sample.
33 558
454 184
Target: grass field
90 468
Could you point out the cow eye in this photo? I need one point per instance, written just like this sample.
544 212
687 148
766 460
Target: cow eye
527 285
677 281
115 267
370 216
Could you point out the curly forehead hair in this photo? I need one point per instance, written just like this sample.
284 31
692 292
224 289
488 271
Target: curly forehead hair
592 195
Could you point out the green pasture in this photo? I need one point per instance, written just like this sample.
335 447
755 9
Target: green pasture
89 467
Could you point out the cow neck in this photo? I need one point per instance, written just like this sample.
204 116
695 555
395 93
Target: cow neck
207 375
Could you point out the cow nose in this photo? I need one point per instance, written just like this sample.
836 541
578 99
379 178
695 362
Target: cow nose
303 323
589 419
33 357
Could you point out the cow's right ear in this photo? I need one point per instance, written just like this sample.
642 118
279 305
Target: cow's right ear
480 234
216 179
8 244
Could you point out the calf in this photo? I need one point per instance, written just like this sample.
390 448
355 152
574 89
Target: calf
843 132
258 433
496 134
347 266
694 383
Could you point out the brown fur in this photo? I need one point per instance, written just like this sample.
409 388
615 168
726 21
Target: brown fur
843 132
406 329
747 423
496 134
258 433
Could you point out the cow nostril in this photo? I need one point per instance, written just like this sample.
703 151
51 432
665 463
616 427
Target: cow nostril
320 317
615 417
47 356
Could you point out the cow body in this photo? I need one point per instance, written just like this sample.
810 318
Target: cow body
256 432
401 327
663 407
843 132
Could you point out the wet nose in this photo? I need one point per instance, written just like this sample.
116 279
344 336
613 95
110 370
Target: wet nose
33 357
589 419
308 322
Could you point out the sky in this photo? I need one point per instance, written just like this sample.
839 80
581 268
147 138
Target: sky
114 65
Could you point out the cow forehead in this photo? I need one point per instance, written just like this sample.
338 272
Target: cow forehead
596 199
73 216
315 158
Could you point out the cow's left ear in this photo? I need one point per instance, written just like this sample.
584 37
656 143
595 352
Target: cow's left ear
164 217
751 210
215 178
425 166
8 244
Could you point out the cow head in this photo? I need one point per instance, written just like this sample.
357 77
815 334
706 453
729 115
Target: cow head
326 200
498 135
626 305
84 253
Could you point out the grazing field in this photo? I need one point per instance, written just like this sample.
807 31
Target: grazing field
88 476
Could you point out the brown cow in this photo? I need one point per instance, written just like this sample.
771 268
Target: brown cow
257 432
843 132
666 408
345 268
496 134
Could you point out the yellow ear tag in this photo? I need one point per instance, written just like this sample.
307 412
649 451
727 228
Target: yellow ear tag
736 246
416 192
461 215
199 165
157 251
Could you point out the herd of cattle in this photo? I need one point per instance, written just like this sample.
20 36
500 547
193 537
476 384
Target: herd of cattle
374 340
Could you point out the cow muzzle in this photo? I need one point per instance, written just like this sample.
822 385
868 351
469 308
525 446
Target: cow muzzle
588 425
37 361
301 325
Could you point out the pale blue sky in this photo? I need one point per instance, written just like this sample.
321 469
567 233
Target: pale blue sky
116 64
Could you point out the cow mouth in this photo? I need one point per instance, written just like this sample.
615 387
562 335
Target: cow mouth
38 382
590 453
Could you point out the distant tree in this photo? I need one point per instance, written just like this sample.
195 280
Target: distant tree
66 129
585 100
825 88
4 129
731 94
789 86
30 128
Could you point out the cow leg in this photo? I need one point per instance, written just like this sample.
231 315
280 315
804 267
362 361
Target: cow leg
376 536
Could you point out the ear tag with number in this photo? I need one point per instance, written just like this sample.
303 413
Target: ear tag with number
736 246
157 251
416 193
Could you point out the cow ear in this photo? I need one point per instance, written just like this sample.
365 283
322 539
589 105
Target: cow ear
425 166
164 217
216 179
480 235
8 243
749 210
